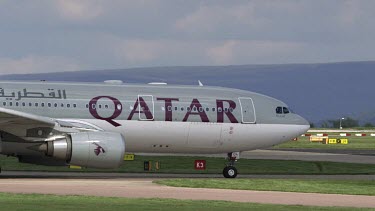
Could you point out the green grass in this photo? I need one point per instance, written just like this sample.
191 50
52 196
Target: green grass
31 202
351 187
214 166
367 142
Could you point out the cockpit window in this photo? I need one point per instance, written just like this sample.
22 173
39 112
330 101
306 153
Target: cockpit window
285 110
282 110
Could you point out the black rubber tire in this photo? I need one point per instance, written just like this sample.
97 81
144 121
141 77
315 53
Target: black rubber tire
225 172
230 172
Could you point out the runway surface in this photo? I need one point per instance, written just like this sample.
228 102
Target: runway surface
340 156
108 175
145 188
140 185
344 156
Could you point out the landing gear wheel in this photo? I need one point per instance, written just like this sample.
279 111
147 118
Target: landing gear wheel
230 172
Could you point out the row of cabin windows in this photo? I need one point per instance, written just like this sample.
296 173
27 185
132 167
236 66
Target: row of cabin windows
99 106
62 105
201 109
195 109
68 105
24 104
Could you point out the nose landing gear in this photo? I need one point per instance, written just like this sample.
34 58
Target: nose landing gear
230 171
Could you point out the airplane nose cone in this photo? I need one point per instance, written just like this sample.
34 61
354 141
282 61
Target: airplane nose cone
305 125
304 121
302 124
298 120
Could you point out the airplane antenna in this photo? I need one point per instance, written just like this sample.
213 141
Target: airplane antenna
200 83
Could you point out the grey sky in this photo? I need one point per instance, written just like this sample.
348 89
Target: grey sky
67 35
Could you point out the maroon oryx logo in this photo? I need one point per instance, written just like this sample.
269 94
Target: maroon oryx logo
99 149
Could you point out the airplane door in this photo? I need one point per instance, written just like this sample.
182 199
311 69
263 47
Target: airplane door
247 110
146 107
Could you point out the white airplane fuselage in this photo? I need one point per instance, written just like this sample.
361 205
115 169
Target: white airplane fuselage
157 118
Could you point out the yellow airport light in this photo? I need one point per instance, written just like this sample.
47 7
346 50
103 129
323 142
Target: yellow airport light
75 167
318 138
338 141
344 141
129 157
332 141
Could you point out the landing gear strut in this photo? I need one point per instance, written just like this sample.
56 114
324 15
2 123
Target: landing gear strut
230 171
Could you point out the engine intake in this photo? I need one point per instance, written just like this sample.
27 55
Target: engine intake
88 149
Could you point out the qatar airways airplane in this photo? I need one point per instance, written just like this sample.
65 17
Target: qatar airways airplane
94 124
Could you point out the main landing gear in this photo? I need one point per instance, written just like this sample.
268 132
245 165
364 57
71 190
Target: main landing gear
230 171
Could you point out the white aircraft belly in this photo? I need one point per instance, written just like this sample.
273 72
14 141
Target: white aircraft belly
199 137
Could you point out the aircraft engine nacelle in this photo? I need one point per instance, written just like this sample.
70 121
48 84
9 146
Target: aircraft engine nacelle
88 149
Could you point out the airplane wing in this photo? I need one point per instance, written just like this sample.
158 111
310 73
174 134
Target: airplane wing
29 127
10 117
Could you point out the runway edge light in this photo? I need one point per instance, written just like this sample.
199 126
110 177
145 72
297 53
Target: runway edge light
129 157
75 167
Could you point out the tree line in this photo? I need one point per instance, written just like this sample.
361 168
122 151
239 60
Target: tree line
345 123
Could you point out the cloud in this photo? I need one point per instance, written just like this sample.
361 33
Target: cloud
138 51
82 10
249 51
208 18
238 17
105 34
349 13
203 52
38 64
222 54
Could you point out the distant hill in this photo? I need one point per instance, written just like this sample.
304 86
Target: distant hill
316 91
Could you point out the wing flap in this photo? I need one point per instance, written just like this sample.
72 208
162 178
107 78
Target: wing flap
31 127
8 116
